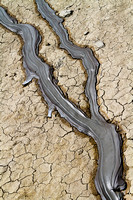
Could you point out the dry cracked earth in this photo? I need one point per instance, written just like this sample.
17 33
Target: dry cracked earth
45 158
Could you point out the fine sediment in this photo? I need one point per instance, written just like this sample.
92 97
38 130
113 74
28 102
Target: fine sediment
109 171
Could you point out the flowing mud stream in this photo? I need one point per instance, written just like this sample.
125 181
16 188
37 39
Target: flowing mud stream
108 181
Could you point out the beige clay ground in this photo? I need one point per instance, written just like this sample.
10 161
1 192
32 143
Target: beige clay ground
46 159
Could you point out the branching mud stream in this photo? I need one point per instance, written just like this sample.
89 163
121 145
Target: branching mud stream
108 179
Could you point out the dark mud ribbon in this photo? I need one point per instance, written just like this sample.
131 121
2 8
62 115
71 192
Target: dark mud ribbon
108 179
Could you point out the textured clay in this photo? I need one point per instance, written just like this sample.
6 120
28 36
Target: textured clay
108 179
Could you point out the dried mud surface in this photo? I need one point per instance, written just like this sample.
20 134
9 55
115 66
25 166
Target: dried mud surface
45 158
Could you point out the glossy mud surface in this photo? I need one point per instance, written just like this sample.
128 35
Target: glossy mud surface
96 129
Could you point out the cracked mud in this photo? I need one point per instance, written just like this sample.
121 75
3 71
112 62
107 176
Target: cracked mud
25 151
